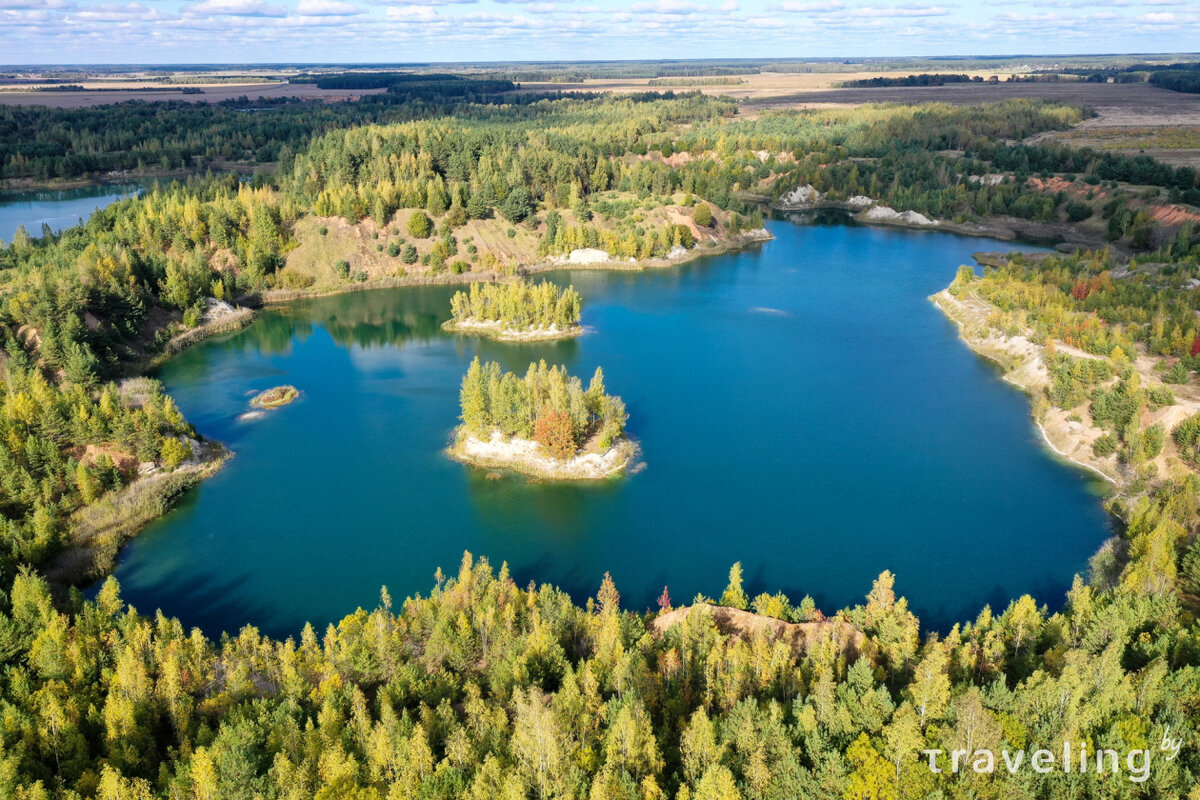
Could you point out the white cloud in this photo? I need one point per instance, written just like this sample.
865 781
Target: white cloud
799 7
326 8
234 8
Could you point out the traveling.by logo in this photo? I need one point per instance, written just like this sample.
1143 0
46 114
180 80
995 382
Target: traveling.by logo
1078 759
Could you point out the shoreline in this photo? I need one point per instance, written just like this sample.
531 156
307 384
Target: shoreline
743 241
1059 235
523 456
495 330
99 532
1024 367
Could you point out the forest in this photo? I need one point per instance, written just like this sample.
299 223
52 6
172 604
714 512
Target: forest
521 305
547 405
491 685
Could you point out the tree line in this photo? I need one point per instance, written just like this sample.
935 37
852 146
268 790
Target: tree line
520 305
547 405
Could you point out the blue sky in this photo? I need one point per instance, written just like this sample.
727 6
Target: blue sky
243 31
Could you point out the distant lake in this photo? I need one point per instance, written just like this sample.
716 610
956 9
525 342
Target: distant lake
59 208
801 407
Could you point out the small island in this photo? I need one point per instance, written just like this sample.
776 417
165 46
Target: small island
517 312
275 397
545 424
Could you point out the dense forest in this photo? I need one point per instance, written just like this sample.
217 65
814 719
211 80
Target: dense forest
519 305
486 689
547 405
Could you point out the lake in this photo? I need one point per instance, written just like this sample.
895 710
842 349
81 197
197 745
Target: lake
58 208
801 407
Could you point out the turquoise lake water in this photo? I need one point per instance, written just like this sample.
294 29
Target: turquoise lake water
58 208
801 407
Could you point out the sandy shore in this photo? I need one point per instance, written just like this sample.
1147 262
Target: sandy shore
523 455
1068 432
496 330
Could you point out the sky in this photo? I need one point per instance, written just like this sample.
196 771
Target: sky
361 31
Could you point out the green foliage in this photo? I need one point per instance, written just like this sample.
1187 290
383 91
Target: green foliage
419 225
519 305
1187 436
495 400
1106 445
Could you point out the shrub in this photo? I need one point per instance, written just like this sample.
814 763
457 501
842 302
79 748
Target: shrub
1078 212
1152 440
323 230
409 254
420 225
702 216
342 268
393 249
1177 374
1106 445
554 432
173 453
1187 436
1159 396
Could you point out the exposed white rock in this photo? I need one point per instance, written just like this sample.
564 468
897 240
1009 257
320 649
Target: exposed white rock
801 197
860 201
528 456
215 309
588 255
678 251
891 215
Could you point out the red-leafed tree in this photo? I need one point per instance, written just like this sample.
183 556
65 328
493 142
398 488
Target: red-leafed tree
664 600
553 431
1196 346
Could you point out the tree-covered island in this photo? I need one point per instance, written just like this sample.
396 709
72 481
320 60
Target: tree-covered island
520 311
544 424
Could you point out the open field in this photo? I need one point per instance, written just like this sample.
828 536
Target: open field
759 87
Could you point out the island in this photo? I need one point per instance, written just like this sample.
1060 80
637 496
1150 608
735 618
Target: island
275 397
545 424
518 311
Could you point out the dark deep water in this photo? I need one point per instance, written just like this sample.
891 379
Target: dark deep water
801 407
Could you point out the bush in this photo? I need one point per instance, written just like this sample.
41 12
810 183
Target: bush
173 453
554 432
1177 374
1106 445
393 249
702 216
1158 397
459 267
323 230
420 225
1078 212
342 268
1152 440
1187 436
194 315
409 254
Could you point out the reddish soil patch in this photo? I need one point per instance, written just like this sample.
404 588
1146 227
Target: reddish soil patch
1172 215
734 622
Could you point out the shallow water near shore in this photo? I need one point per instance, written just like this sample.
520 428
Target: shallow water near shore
801 407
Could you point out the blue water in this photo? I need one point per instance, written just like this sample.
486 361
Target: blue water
801 407
58 208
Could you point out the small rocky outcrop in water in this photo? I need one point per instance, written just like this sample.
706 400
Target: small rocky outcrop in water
275 397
